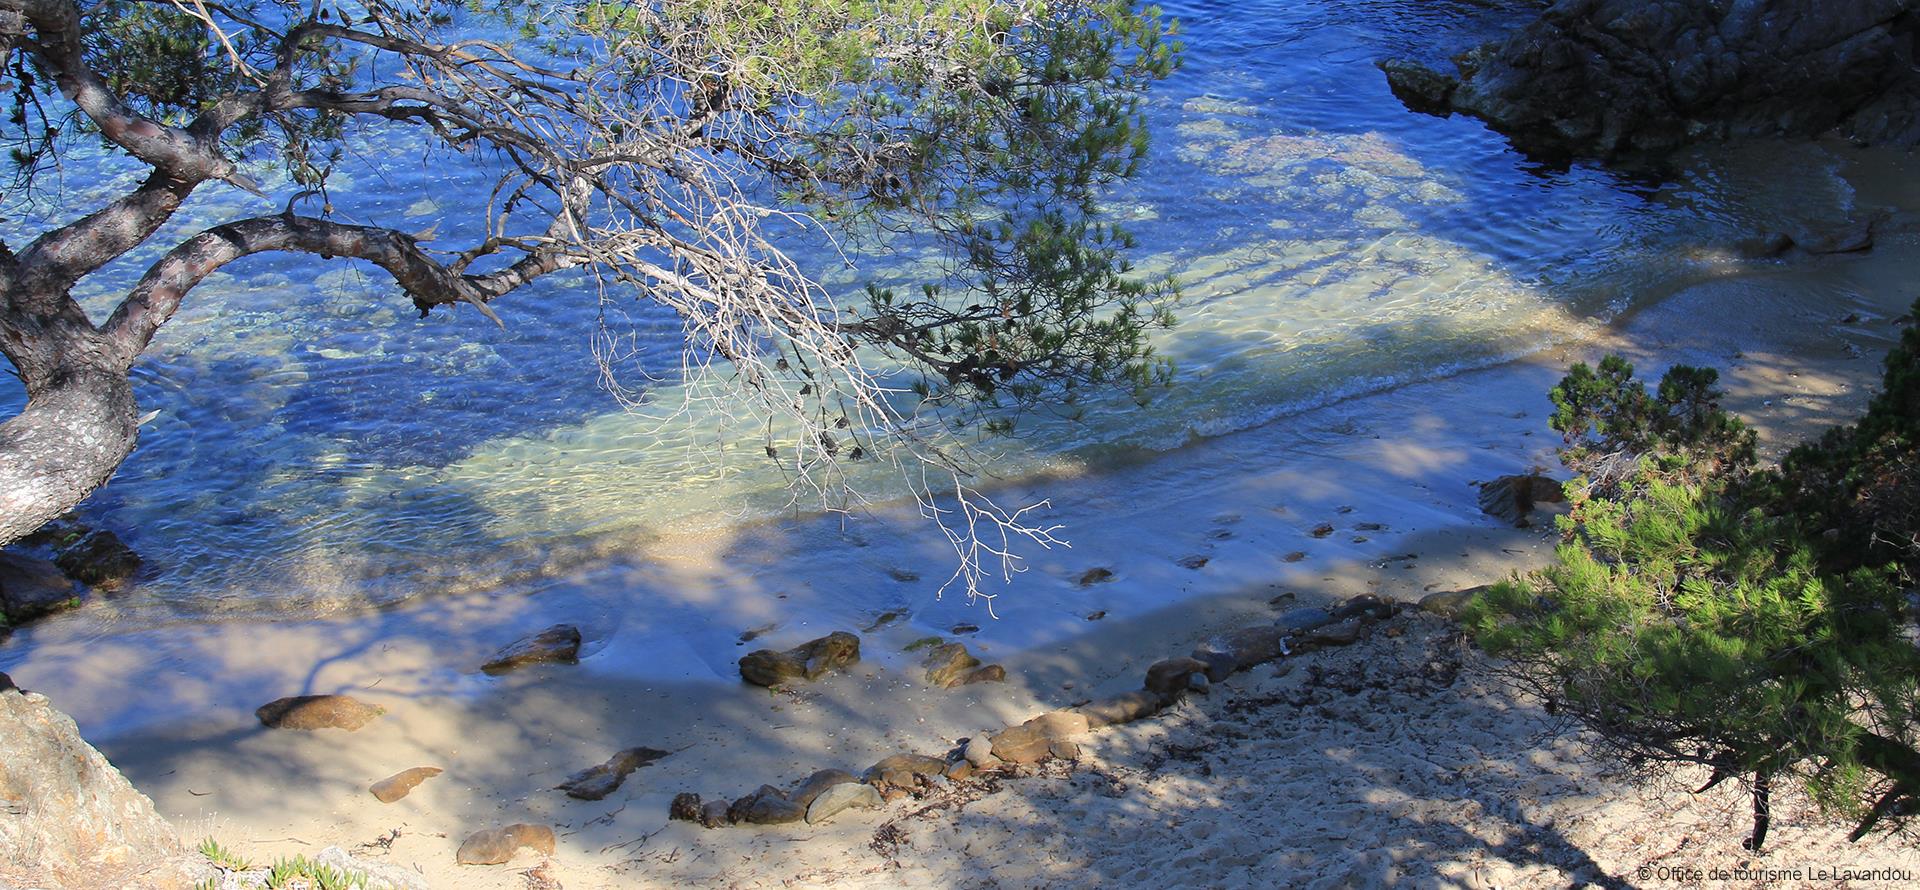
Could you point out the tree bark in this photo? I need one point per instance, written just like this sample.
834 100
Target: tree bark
75 431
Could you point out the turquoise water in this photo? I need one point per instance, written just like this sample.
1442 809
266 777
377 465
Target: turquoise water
317 444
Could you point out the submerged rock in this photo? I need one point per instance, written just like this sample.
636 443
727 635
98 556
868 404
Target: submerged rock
496 845
311 712
399 784
67 817
99 559
559 644
808 661
992 673
1095 576
596 782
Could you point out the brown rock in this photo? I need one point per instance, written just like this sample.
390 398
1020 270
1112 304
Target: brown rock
67 817
904 770
947 663
1169 675
1064 749
311 712
596 782
1123 708
714 814
808 661
686 807
959 769
1031 742
397 786
559 644
992 673
496 845
766 806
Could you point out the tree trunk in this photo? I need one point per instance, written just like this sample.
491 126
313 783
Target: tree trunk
75 431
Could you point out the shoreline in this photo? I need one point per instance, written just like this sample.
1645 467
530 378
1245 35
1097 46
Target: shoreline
1403 459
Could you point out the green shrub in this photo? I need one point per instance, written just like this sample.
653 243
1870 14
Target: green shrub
1700 613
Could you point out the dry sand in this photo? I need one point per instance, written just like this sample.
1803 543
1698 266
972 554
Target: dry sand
1397 760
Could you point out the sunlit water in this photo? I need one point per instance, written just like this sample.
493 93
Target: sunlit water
316 443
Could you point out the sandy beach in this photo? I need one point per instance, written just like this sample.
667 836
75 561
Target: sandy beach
1399 759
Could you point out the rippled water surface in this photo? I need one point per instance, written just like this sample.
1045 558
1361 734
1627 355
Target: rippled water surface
317 442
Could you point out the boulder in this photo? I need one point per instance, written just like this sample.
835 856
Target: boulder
399 784
1032 741
947 663
559 644
596 782
67 817
32 588
904 770
1169 675
1123 708
808 661
99 559
310 712
496 845
839 798
1512 498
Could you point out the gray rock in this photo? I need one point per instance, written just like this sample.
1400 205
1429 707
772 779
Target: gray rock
1199 683
559 644
714 814
67 817
979 752
818 783
312 712
808 661
1247 646
1366 604
1220 665
839 798
1299 621
1341 634
374 875
596 782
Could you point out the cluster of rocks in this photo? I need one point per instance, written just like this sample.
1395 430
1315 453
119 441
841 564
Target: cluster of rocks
52 570
1605 78
1054 735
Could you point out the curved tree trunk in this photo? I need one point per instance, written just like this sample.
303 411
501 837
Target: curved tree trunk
74 433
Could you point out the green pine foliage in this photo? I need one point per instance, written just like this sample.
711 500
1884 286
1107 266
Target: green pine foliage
1700 611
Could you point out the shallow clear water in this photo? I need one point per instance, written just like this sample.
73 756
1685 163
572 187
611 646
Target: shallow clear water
318 444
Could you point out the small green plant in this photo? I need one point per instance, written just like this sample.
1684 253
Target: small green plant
223 857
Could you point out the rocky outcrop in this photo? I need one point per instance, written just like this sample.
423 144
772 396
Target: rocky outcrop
1605 78
67 817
